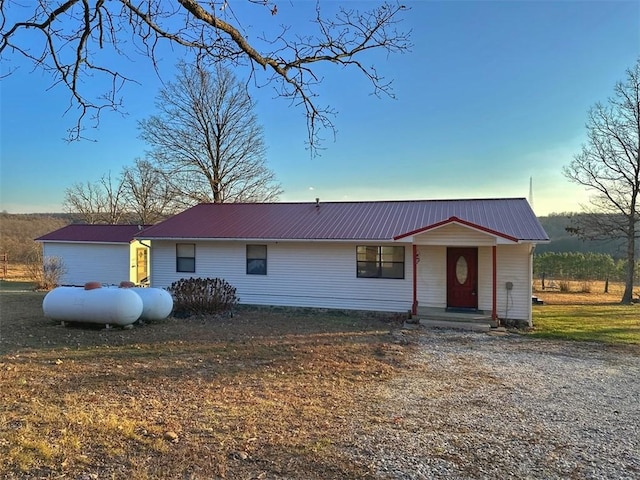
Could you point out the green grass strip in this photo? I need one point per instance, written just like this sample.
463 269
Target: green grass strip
614 324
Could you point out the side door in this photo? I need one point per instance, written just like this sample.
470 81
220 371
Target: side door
142 259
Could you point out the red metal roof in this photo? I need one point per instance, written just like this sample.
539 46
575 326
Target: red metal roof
385 220
92 233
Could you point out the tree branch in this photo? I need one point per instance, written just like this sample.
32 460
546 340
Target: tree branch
76 30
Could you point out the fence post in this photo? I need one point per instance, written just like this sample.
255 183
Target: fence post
4 259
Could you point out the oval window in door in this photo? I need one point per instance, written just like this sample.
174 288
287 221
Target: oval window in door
462 270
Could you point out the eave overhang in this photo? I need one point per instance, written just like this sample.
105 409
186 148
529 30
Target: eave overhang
84 242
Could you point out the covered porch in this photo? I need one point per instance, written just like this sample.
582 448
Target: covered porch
466 273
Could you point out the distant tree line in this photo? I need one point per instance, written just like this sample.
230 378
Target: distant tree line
580 266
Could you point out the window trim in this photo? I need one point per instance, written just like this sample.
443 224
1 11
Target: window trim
253 258
379 262
180 268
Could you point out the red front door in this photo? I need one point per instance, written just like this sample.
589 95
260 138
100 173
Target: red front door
462 277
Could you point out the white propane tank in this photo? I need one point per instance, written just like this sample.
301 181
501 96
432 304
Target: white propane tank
156 303
117 306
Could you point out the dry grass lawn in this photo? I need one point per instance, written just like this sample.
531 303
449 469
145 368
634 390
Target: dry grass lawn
16 273
581 293
266 394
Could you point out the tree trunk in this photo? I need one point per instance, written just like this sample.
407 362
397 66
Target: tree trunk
627 296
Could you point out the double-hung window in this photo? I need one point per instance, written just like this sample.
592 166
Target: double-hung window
185 257
374 261
256 259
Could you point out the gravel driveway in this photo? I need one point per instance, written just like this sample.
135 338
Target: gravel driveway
475 405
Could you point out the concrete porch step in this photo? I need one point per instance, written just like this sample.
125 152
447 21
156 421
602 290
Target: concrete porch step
456 325
440 318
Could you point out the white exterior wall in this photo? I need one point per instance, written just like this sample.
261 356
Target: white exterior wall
323 275
91 262
432 276
514 265
453 235
304 274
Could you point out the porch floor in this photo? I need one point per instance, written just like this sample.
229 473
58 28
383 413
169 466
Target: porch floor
440 318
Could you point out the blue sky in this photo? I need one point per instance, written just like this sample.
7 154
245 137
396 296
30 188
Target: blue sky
492 94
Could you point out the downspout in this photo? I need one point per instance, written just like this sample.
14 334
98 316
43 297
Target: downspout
414 307
494 308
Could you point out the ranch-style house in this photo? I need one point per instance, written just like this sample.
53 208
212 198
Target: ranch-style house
397 256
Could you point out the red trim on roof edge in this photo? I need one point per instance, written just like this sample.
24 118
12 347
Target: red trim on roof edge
455 219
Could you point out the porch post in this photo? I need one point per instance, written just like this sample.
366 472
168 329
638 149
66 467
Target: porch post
414 307
494 311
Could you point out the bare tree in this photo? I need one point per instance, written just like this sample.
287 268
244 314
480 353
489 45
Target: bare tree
76 33
97 202
148 193
84 200
609 165
207 139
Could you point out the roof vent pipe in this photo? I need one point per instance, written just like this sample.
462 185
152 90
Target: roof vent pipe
317 202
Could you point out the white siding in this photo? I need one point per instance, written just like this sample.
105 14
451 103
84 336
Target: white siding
514 265
432 276
454 236
323 275
485 279
87 262
302 274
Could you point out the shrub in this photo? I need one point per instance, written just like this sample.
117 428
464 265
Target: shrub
565 286
47 272
198 296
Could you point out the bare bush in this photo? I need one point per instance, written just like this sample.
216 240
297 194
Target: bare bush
201 296
564 285
45 273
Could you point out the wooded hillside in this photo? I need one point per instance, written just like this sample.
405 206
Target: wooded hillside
18 231
562 242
